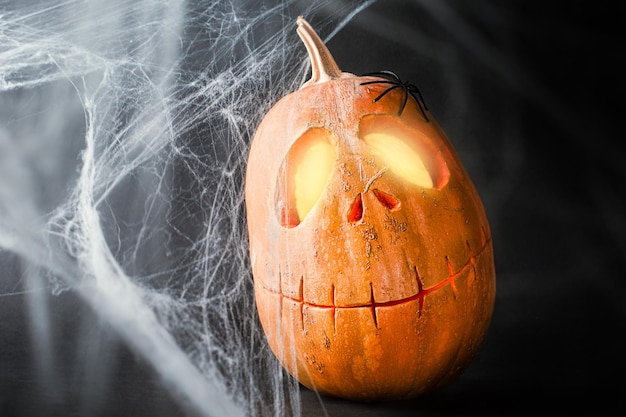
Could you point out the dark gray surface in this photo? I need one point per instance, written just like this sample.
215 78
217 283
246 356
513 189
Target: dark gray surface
531 95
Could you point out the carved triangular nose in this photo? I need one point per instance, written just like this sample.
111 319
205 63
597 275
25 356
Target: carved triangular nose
387 200
391 203
355 213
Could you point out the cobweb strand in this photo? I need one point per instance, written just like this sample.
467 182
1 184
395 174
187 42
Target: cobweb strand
124 135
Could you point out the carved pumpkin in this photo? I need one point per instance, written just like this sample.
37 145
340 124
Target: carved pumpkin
370 248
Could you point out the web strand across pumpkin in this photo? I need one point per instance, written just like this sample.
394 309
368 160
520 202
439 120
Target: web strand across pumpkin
394 80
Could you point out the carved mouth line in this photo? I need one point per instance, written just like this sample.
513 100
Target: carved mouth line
372 304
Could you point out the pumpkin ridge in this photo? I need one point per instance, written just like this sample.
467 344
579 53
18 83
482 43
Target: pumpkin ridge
422 292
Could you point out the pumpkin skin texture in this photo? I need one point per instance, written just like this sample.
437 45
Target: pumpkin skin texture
376 282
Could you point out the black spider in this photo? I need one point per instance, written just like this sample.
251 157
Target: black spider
392 79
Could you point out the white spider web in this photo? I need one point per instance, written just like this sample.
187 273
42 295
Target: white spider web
124 129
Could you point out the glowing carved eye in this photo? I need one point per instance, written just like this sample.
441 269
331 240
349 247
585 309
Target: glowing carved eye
303 175
400 158
408 153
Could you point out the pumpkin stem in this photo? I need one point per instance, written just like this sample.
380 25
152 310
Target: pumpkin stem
323 65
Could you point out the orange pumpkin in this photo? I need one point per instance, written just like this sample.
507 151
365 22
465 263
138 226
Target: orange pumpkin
370 248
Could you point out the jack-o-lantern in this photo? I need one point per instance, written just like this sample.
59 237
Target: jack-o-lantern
370 248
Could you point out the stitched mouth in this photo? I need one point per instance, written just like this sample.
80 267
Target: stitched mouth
373 305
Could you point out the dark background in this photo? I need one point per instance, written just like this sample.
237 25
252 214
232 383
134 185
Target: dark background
531 95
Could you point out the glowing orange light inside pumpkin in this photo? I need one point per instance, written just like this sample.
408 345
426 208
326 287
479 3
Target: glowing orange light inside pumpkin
305 172
400 158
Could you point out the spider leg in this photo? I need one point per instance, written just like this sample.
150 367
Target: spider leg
406 97
419 99
413 89
379 82
381 95
420 105
390 75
